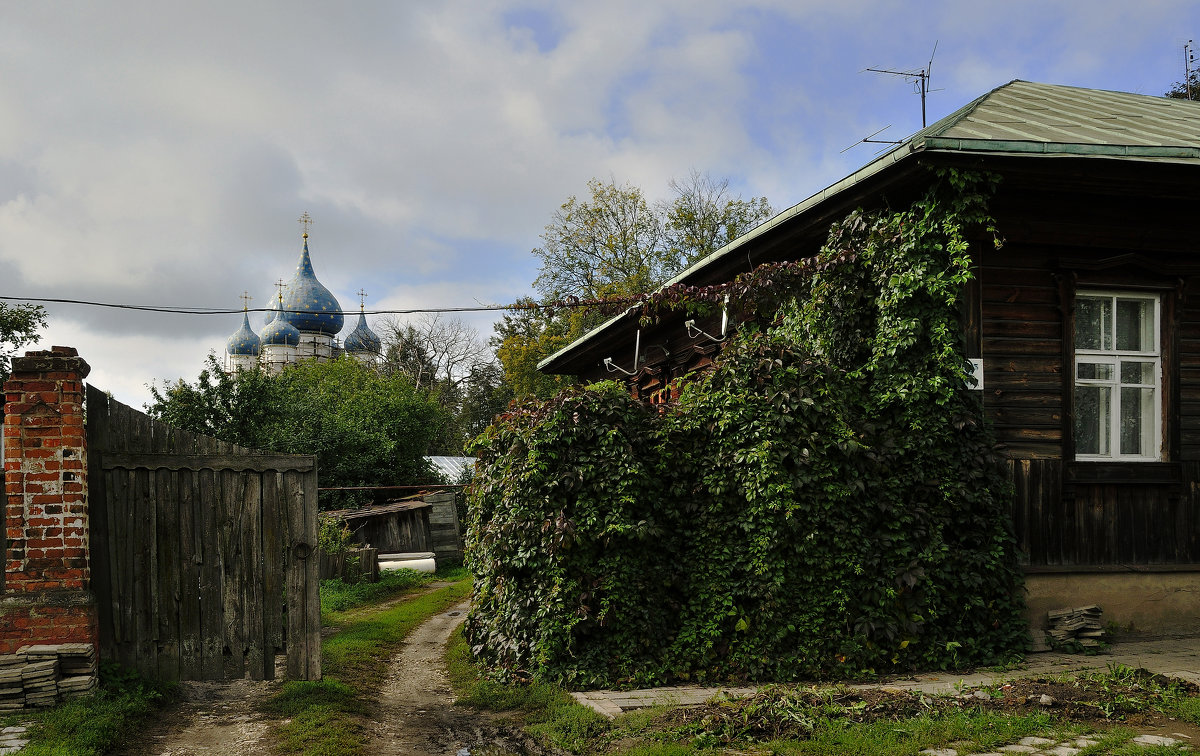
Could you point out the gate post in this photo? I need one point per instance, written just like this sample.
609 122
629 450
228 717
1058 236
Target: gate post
47 576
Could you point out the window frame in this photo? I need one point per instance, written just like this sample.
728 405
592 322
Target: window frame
1114 357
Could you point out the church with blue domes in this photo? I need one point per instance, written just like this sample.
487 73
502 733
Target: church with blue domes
303 323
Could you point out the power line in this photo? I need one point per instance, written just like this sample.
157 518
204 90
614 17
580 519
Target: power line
180 310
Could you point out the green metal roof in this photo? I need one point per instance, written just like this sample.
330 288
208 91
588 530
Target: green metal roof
1018 118
1023 111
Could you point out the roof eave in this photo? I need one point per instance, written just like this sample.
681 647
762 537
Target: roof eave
882 163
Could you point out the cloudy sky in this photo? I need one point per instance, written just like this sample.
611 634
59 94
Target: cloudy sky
161 152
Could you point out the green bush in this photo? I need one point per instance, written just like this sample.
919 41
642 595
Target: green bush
826 502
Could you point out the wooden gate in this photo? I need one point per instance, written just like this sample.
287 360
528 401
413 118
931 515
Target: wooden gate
204 553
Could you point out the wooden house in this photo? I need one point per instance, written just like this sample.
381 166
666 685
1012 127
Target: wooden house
1086 323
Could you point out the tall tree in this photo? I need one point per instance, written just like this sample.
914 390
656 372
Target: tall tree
607 245
366 428
524 337
19 326
614 243
433 350
448 360
703 217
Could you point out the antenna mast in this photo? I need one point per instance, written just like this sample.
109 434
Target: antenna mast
1189 57
920 77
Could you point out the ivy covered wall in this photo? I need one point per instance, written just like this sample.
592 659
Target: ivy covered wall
825 503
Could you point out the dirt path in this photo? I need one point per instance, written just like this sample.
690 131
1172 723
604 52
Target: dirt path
210 718
416 715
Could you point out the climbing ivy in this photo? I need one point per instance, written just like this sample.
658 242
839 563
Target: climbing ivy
825 502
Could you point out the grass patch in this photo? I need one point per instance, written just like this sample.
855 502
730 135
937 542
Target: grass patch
1187 709
95 724
548 710
338 596
325 718
790 720
966 732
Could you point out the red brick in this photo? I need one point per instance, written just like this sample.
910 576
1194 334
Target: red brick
31 430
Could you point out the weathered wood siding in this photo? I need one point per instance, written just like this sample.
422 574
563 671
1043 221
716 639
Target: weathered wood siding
204 553
393 532
1021 330
1087 514
1079 514
445 533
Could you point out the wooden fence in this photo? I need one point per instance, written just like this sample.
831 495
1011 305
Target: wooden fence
351 565
204 553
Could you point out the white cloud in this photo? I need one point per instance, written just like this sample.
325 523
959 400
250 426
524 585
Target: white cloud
161 153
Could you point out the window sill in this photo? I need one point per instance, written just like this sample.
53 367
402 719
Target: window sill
1086 471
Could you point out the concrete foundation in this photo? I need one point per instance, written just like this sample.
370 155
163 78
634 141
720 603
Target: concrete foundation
1141 604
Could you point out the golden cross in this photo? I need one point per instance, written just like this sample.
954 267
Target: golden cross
362 299
279 285
246 300
305 222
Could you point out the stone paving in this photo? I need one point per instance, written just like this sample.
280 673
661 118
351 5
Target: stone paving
1173 657
12 739
1051 747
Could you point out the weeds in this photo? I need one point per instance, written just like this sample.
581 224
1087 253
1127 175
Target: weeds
93 725
550 712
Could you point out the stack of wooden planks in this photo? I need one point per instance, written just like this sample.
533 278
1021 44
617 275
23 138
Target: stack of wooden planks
1079 626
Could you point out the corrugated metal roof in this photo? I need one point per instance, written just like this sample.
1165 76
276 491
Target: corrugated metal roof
1022 118
1024 111
452 468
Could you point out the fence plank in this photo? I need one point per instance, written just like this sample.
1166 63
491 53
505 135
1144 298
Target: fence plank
99 499
144 575
168 551
274 546
304 612
190 555
312 578
296 610
211 581
252 558
234 596
121 547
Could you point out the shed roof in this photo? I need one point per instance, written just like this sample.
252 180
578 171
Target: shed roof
452 468
1020 118
389 508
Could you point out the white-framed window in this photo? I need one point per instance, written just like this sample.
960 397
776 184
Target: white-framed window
1118 377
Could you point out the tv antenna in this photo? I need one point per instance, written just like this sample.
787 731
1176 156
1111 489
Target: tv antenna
919 77
869 139
1189 57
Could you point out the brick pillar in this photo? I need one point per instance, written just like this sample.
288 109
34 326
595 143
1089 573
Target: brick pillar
47 576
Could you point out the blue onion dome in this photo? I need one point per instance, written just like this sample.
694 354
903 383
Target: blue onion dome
362 338
307 304
272 313
244 341
279 332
